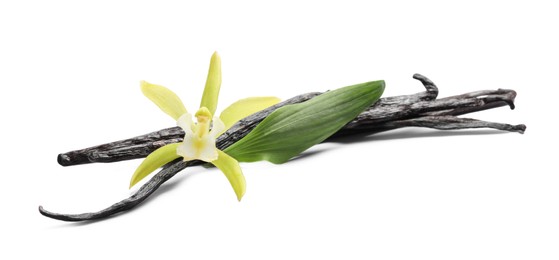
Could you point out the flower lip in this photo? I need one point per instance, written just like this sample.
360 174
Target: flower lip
199 140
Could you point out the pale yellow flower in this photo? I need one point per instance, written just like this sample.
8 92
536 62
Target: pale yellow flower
200 137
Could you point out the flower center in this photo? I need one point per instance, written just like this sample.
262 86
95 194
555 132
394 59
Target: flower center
203 116
199 140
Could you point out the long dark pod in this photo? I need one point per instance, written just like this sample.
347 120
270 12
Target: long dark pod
376 118
420 110
143 193
141 146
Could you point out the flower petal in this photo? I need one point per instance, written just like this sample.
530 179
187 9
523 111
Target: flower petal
207 151
213 84
245 107
230 167
164 98
155 160
195 147
217 127
185 122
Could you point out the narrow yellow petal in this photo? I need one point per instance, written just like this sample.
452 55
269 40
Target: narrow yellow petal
155 160
245 107
164 98
213 84
230 167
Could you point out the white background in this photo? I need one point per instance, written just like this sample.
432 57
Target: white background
70 77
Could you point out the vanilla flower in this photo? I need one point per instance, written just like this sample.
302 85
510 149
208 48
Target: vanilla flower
200 137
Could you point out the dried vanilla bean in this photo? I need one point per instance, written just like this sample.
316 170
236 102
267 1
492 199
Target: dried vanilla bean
141 146
143 193
418 110
377 118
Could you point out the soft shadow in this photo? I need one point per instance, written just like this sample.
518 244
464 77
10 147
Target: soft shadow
316 150
392 135
410 133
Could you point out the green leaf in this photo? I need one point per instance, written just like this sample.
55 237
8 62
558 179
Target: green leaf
292 129
155 160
